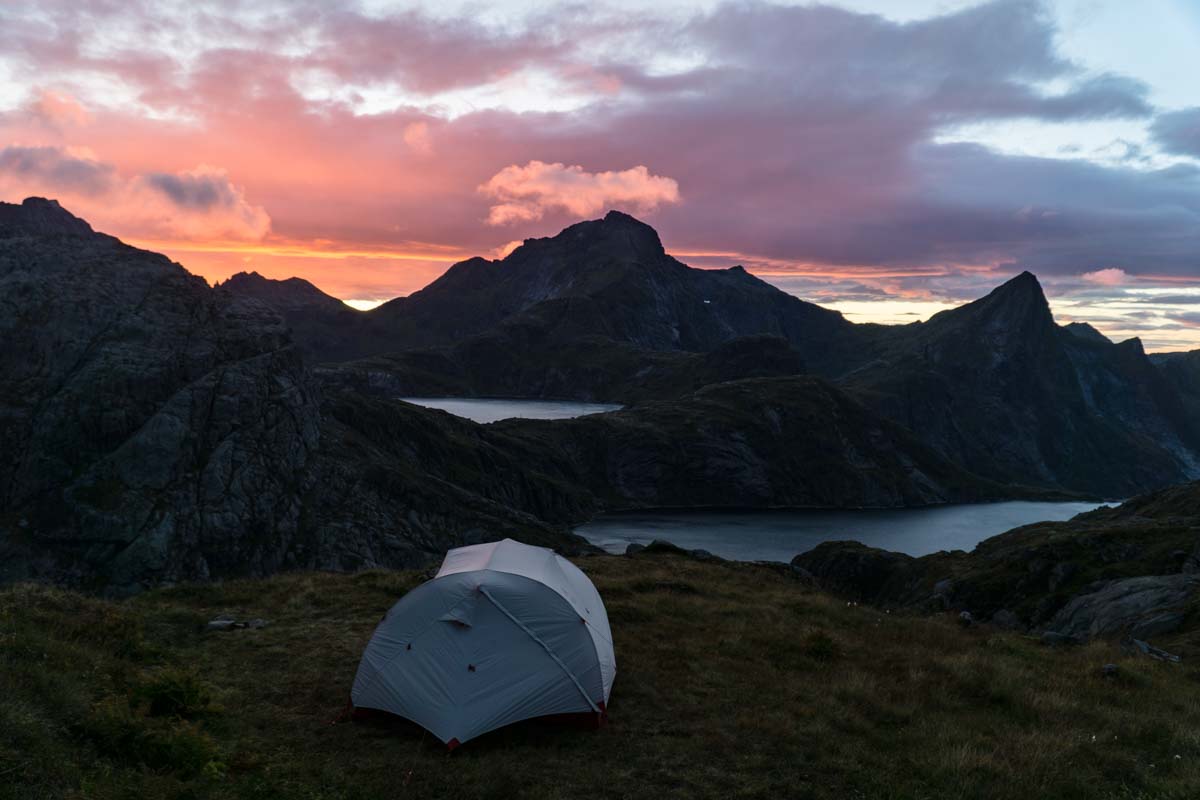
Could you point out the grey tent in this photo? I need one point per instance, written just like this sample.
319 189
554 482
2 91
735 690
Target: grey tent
503 632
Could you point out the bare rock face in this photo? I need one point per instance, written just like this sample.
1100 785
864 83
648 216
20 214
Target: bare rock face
152 429
1141 607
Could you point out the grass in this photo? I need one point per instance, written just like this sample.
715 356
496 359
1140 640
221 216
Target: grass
733 681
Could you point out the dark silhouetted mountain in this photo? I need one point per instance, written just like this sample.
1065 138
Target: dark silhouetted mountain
292 294
600 312
153 429
1182 371
607 278
37 216
767 442
1086 331
323 327
998 386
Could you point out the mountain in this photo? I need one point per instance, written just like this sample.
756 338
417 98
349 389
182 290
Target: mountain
601 312
607 278
1182 371
764 442
996 385
323 327
154 429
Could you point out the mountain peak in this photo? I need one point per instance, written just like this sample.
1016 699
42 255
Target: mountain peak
617 232
39 216
284 295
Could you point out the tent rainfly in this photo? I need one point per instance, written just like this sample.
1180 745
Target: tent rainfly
503 632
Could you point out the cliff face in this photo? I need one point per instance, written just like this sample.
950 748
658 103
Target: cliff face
997 386
154 429
148 423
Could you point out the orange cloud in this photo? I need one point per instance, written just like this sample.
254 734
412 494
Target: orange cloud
527 193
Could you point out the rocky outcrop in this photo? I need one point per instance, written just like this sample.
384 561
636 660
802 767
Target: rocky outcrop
1143 608
1124 571
856 570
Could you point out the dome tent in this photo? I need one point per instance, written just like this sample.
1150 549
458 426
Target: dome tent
503 632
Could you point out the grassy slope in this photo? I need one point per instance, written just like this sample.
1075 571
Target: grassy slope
734 681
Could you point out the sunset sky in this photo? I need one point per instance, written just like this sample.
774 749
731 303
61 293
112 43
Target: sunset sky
884 157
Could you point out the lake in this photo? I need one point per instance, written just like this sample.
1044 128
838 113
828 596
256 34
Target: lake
780 535
481 410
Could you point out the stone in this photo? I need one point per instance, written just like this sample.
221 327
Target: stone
854 569
1151 602
222 624
965 619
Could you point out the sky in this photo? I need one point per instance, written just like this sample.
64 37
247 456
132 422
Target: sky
888 158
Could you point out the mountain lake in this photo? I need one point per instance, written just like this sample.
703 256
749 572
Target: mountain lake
778 535
493 410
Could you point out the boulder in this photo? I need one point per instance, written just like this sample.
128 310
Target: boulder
854 569
1151 605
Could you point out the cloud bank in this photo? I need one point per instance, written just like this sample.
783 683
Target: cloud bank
810 141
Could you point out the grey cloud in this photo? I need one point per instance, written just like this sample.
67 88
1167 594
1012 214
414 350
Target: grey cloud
56 168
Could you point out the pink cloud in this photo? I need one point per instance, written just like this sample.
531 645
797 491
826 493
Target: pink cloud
1107 277
527 193
58 110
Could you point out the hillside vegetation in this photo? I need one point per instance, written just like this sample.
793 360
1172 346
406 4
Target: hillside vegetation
734 680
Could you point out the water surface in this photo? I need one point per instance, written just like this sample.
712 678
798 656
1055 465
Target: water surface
484 411
780 535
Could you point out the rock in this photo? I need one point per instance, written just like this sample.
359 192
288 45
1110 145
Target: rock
965 619
944 587
853 568
1148 649
1109 671
1155 602
256 624
663 546
222 623
634 548
1158 625
1007 620
704 555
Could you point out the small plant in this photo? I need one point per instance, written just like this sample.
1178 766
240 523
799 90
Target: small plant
175 693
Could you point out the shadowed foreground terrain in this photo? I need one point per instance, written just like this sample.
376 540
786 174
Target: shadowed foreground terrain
734 680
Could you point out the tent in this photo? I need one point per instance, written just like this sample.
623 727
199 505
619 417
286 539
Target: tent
503 632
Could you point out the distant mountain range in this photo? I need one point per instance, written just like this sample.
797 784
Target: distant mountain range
155 429
601 312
